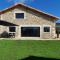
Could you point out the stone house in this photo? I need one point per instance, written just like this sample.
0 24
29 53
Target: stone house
25 22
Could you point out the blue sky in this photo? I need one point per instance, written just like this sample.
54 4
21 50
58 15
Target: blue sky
49 6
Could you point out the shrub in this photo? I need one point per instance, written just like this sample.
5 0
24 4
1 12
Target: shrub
5 34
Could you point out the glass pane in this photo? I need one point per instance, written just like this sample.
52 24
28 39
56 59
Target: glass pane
12 29
46 29
30 31
19 15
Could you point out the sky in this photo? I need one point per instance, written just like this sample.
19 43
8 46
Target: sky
48 6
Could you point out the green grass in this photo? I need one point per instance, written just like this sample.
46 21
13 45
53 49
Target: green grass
18 49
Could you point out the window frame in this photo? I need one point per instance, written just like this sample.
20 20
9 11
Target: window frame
32 35
41 30
15 29
18 17
19 12
48 29
47 26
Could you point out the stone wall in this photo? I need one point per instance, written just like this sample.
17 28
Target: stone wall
31 18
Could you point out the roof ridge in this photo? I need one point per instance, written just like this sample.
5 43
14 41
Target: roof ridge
30 8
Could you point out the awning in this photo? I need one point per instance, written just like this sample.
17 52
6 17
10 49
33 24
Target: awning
5 23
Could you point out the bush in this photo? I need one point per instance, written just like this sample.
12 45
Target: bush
5 34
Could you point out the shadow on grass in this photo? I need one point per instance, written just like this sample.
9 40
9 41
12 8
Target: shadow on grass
38 58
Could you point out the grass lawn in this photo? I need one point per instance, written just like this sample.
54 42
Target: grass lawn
17 49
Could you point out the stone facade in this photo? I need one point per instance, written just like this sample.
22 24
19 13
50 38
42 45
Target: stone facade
31 18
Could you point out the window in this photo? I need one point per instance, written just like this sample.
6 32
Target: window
19 15
46 29
30 31
12 29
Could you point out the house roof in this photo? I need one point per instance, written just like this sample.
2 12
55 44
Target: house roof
5 23
30 8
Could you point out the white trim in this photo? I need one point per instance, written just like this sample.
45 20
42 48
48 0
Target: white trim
20 12
31 26
1 16
47 26
11 32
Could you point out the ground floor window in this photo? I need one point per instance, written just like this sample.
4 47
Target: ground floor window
30 31
46 29
12 29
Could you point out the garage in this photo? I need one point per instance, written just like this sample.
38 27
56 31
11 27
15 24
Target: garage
30 31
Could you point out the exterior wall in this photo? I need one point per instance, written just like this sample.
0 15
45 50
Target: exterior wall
31 18
0 16
3 28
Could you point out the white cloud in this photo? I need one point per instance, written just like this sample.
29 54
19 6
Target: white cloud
23 1
15 0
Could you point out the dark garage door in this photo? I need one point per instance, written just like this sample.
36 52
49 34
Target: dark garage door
30 31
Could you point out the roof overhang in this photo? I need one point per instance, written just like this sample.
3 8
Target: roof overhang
4 23
30 8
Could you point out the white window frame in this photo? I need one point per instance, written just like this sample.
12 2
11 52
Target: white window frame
47 26
19 12
31 26
11 32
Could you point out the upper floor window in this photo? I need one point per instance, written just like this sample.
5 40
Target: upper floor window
19 15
